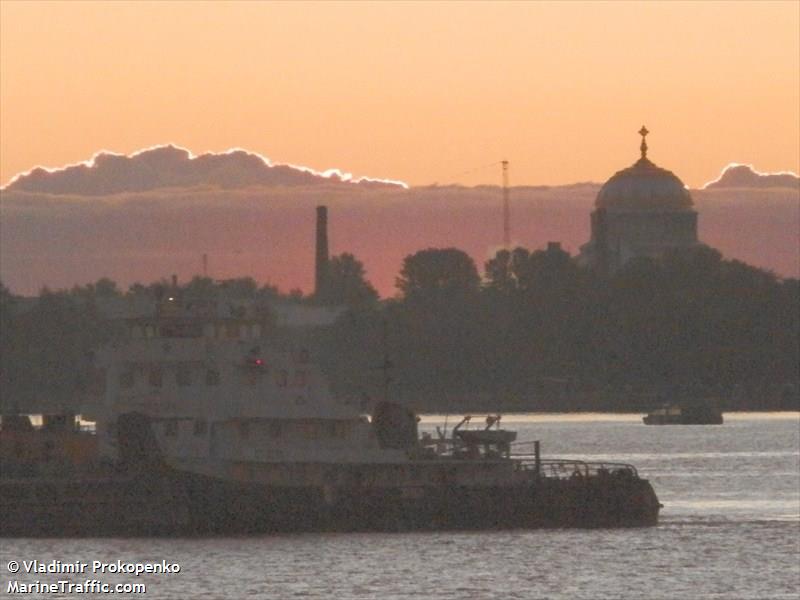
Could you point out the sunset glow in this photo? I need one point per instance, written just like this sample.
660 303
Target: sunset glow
409 92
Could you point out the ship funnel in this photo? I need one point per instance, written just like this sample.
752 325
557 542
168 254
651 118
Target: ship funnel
321 265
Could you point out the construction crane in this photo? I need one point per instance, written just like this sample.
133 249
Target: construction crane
506 209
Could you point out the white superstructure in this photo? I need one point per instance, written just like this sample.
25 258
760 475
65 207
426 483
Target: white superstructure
219 390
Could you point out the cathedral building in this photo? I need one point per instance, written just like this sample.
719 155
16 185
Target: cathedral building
642 211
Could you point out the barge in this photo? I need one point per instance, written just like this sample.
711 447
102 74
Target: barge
696 413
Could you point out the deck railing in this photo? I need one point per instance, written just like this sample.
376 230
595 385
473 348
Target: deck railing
564 468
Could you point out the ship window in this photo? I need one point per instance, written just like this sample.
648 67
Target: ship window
126 379
212 377
171 428
282 378
275 429
300 379
244 429
181 330
183 375
200 427
155 377
307 430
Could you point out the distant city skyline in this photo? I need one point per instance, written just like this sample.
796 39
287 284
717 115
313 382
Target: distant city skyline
422 93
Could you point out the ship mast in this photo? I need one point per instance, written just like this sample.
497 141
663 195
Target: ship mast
386 366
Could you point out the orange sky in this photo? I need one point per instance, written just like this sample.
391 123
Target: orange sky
420 92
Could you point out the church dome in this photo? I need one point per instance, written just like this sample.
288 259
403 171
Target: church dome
644 186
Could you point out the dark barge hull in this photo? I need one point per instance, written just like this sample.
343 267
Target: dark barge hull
87 507
586 503
683 420
142 496
184 504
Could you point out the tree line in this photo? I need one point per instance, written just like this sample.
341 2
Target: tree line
533 331
540 332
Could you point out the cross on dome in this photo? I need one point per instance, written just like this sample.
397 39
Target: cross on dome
643 132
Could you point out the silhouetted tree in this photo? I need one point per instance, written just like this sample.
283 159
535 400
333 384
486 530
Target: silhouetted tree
436 271
7 335
347 283
48 350
503 272
6 302
242 287
200 287
102 288
137 289
269 292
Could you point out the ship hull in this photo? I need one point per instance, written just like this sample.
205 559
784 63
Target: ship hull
682 420
117 505
220 506
179 503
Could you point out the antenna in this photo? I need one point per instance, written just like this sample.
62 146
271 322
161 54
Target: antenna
387 364
506 209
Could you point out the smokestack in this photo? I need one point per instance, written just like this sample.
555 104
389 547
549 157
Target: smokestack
321 266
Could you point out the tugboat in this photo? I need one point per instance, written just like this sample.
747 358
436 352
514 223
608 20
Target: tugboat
696 413
211 425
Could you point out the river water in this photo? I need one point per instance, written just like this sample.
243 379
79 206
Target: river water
729 529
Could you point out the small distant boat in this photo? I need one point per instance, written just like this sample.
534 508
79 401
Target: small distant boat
696 413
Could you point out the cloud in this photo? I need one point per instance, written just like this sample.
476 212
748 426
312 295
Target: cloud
172 167
737 175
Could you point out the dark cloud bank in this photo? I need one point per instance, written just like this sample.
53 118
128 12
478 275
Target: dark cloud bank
146 217
168 167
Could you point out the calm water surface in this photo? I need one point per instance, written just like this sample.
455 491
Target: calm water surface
730 529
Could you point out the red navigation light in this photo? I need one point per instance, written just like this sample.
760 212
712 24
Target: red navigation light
254 362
